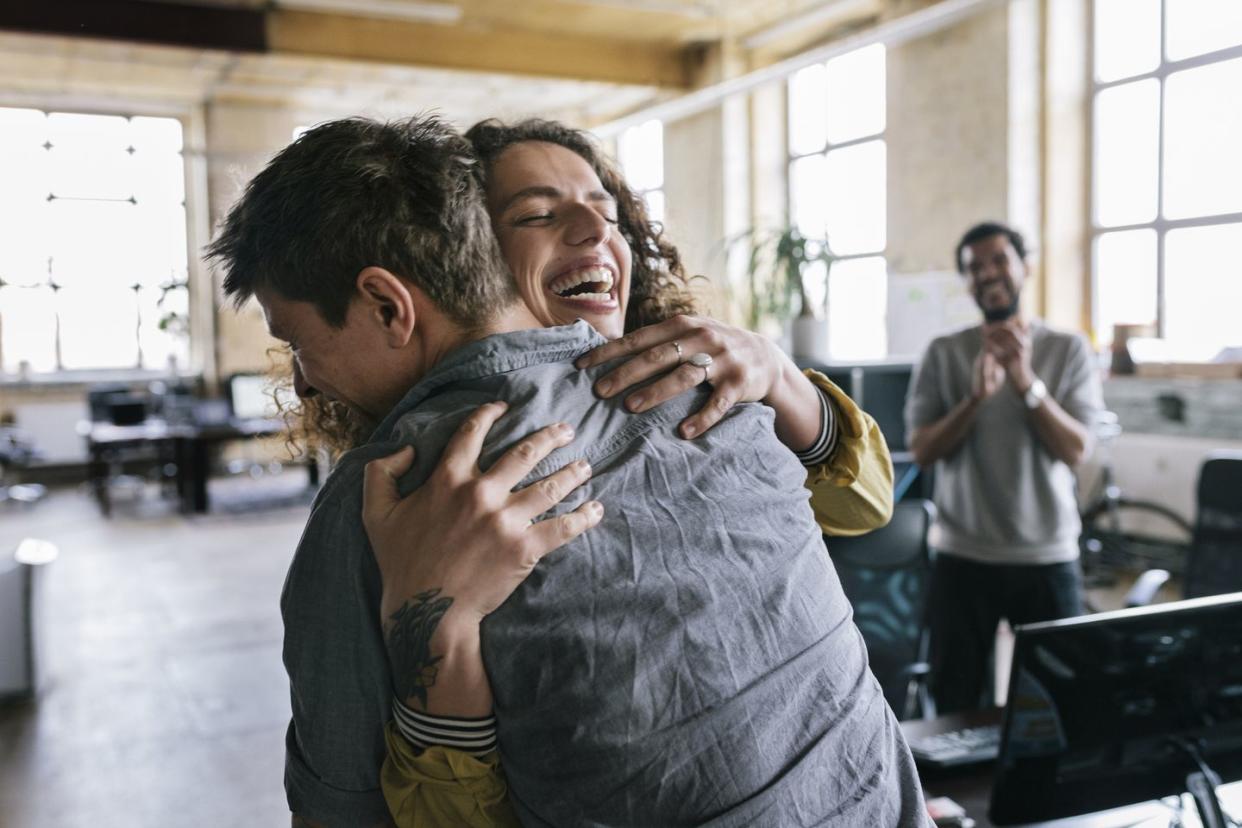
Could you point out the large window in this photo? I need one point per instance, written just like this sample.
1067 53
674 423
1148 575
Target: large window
640 151
93 268
837 191
1167 171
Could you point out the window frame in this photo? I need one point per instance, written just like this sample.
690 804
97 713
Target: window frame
1160 224
200 307
830 146
644 193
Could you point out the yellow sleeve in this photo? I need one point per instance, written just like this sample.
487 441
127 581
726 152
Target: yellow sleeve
441 787
851 493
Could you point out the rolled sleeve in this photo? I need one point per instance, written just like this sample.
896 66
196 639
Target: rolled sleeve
314 799
440 786
851 493
926 402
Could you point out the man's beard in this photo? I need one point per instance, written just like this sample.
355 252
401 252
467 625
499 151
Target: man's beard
999 314
1002 313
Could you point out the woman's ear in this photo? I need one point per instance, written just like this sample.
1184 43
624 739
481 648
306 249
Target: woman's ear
388 303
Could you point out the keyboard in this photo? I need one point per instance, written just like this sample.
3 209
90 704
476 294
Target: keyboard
958 747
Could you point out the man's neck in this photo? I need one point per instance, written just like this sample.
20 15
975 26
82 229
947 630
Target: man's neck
514 318
517 317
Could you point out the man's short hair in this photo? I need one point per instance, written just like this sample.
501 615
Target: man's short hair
354 193
985 230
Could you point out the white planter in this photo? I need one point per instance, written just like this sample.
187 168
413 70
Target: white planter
809 338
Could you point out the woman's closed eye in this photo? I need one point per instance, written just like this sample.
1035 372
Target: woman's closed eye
544 218
534 218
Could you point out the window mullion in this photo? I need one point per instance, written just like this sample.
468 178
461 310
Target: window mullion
1161 315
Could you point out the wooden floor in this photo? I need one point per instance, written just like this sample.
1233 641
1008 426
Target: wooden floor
166 701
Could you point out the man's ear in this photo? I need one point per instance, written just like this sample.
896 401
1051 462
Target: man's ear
388 303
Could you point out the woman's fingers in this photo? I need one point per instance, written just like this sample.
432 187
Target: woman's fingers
655 360
379 482
542 495
461 456
722 399
676 382
553 533
635 341
518 461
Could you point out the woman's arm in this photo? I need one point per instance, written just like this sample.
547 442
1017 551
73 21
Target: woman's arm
475 544
851 492
439 786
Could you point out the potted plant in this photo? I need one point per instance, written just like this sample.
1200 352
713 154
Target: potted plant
777 271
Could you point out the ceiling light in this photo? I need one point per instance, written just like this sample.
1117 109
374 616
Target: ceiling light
414 10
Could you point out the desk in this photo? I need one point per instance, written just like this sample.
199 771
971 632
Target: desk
189 448
971 787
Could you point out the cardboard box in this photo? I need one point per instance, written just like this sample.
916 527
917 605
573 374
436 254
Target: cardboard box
1193 370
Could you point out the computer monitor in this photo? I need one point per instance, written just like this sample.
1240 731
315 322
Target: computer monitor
883 396
880 388
1103 709
250 396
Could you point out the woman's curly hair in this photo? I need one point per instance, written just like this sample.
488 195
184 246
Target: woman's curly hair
659 287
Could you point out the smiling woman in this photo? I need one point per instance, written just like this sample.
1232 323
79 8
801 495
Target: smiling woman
560 236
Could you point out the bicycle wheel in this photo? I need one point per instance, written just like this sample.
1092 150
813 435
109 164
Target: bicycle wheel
1125 534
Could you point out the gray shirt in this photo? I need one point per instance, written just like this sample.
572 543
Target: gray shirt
691 660
1001 497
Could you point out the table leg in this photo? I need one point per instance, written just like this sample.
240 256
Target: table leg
97 472
201 467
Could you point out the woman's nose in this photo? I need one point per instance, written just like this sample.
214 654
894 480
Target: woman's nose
587 226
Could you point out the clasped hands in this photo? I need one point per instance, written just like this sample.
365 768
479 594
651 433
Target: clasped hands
1006 354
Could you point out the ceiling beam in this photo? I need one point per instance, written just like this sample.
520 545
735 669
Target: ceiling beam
198 27
936 15
280 31
516 52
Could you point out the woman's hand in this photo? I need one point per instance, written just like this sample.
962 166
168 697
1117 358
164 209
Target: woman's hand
453 550
465 532
746 367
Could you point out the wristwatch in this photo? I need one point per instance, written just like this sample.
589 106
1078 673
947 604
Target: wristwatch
1034 396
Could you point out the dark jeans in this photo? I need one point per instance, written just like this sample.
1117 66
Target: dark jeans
966 603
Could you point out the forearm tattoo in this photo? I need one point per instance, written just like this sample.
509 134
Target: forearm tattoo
408 638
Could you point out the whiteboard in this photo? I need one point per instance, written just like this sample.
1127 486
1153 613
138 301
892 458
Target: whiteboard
922 306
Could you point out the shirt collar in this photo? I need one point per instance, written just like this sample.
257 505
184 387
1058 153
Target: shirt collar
496 354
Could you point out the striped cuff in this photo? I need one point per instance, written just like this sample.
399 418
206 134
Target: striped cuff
473 736
822 449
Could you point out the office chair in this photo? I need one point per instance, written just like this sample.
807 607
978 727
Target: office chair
117 404
1214 557
885 574
17 452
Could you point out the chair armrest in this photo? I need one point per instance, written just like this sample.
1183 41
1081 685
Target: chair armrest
1146 587
918 670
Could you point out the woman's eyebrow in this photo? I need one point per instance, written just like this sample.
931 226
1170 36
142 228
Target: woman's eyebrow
547 191
536 191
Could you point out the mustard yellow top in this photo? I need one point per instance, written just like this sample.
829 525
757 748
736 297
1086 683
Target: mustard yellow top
851 494
441 787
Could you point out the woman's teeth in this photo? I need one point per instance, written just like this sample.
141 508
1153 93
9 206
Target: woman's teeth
594 284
